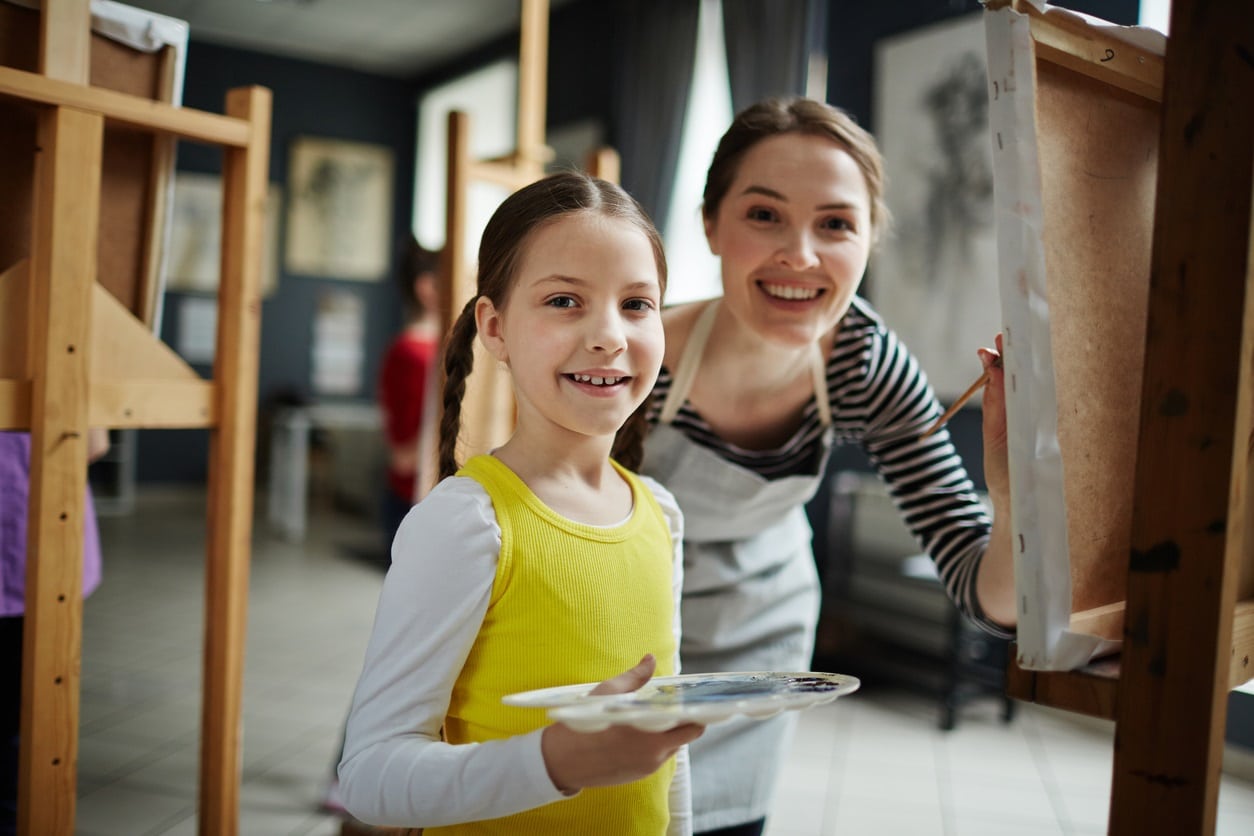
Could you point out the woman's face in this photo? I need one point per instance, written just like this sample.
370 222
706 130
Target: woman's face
793 233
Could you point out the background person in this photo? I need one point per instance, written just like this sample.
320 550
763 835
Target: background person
14 516
405 377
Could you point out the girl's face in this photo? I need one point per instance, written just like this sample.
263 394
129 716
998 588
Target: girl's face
581 331
793 234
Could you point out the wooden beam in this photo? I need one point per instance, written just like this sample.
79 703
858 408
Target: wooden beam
124 109
123 348
15 314
136 380
1241 507
63 268
245 175
605 163
1092 690
65 40
14 404
1241 667
1106 621
504 174
153 404
1064 38
533 56
1173 692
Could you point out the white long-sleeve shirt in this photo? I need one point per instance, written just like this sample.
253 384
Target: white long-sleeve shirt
396 770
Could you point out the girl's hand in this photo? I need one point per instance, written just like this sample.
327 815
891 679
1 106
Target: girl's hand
619 754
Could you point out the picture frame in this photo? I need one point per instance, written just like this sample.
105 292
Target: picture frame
934 276
193 262
339 215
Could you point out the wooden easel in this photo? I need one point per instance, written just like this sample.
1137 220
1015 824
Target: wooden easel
487 413
1188 634
87 360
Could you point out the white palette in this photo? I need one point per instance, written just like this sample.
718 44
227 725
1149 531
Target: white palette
668 701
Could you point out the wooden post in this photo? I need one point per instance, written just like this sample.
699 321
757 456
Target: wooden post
65 40
63 271
533 55
231 463
605 163
1173 689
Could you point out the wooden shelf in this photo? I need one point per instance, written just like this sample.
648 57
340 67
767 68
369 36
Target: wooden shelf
1092 690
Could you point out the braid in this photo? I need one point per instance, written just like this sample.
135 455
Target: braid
459 357
629 442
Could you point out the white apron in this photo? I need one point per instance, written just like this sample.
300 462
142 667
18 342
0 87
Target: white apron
751 590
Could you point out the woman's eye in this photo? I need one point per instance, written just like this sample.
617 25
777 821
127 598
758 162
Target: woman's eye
561 302
838 224
761 213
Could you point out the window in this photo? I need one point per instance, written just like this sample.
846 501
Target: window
489 95
1156 13
693 270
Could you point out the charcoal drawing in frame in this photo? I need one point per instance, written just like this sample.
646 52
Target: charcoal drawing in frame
339 220
934 275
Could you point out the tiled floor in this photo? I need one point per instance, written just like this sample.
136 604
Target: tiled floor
873 763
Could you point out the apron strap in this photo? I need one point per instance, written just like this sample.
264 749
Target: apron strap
818 367
690 362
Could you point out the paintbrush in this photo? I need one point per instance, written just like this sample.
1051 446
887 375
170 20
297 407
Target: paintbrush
962 399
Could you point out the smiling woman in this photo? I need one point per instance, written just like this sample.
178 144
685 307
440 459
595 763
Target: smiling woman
755 390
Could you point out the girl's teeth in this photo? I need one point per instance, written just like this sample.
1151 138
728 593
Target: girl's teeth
596 381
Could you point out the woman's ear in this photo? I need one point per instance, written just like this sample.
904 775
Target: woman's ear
491 329
710 225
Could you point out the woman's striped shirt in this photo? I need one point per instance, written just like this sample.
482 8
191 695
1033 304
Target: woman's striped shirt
881 400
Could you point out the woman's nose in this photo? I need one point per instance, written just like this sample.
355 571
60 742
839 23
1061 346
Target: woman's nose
797 251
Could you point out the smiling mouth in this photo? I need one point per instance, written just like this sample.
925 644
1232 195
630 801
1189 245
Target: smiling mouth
791 293
596 380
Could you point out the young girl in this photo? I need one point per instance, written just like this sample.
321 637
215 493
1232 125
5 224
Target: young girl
545 563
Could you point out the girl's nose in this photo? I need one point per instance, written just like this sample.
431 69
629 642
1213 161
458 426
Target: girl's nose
606 332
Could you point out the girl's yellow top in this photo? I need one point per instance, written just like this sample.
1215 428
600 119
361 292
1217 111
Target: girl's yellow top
571 603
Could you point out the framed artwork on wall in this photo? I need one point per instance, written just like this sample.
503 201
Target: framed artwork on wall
196 235
339 217
934 276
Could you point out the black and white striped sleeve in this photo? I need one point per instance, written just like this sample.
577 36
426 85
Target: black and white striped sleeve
925 477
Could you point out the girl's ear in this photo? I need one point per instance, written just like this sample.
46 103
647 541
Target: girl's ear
491 332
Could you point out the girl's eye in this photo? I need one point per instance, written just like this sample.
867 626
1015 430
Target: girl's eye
761 213
638 305
838 225
561 302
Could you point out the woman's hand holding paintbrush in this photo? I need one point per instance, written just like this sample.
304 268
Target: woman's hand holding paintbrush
995 362
995 581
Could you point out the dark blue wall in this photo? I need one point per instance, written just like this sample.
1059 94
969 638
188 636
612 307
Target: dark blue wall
309 100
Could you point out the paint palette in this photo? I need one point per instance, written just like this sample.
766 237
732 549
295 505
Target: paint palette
668 701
